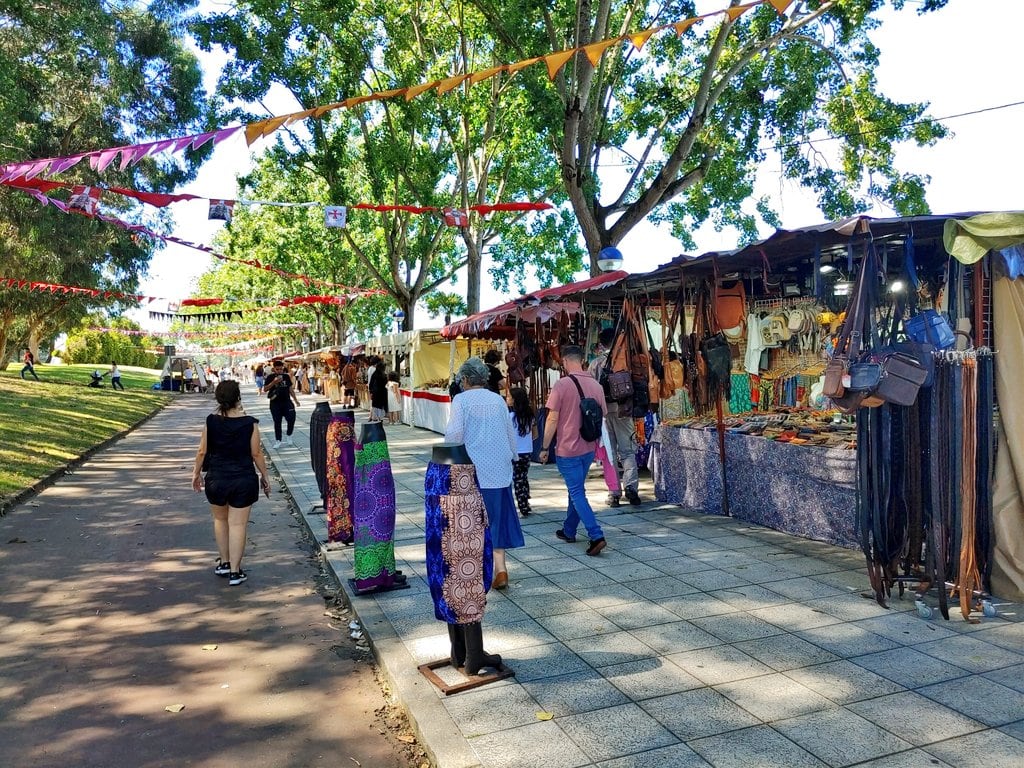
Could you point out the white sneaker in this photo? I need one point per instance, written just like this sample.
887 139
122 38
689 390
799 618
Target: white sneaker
277 443
289 442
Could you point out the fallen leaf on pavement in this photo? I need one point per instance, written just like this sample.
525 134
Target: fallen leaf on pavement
406 738
174 707
210 647
544 715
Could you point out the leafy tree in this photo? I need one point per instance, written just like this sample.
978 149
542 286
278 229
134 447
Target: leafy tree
80 75
691 117
85 345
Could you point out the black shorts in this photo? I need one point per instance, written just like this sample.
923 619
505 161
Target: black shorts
232 490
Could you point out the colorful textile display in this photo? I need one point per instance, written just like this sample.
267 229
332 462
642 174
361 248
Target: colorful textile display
373 511
319 420
458 540
340 476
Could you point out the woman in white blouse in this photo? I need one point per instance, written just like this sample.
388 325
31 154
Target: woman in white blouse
479 420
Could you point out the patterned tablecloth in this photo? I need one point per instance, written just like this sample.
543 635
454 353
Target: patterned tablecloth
807 491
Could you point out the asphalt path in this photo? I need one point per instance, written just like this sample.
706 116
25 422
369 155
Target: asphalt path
110 616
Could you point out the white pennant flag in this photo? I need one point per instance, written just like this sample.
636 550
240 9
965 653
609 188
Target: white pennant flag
335 216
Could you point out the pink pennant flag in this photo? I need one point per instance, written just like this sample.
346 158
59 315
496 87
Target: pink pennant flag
201 139
62 164
106 157
37 168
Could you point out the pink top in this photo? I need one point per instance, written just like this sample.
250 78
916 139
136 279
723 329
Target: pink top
564 399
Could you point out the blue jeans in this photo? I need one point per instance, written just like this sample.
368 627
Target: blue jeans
574 472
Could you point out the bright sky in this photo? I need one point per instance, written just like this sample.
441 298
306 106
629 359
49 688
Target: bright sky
959 59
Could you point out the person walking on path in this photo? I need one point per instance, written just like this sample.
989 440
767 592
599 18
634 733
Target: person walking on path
621 433
521 415
479 419
228 449
115 376
573 454
30 361
281 392
379 392
349 380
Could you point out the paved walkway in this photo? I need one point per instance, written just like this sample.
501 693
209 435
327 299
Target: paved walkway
691 641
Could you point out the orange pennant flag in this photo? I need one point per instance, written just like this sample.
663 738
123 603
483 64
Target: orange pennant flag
295 117
450 82
638 39
556 61
356 100
780 5
413 91
485 74
738 10
324 108
273 124
681 26
254 131
595 51
392 93
513 68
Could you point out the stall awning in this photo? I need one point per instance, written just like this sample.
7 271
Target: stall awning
540 305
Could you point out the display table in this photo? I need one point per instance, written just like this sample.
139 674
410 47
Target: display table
807 491
426 408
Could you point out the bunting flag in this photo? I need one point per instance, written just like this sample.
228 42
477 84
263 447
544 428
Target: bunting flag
219 333
221 209
453 217
198 317
140 230
85 200
335 216
125 156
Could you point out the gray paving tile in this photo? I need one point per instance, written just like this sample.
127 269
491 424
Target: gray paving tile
1014 729
981 699
734 627
699 712
535 662
915 718
909 667
676 636
553 604
758 746
850 607
793 617
773 697
536 744
719 664
648 678
783 652
843 681
1011 677
992 749
627 572
913 758
838 737
578 624
578 692
713 579
642 613
852 581
1006 635
811 566
681 564
847 640
972 653
602 597
556 565
502 638
756 572
695 605
750 597
613 648
491 709
615 732
534 585
665 586
907 628
501 610
675 756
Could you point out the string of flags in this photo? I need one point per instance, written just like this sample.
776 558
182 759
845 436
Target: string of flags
124 156
220 333
85 200
140 230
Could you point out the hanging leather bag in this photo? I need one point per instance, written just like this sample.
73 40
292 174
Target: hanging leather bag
730 304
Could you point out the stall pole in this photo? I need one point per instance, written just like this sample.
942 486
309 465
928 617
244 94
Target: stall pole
721 453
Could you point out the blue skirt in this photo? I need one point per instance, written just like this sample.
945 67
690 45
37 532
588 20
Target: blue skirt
506 532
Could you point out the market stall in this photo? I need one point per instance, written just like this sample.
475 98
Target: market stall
425 361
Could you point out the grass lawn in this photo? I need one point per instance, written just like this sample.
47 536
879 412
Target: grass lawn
46 424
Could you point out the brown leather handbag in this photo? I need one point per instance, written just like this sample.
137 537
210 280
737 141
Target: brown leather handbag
730 304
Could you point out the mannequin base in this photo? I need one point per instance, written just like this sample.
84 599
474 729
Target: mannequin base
376 590
472 681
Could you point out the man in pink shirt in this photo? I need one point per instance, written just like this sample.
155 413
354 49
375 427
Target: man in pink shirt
573 454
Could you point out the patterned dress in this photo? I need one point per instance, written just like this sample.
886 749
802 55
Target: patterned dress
319 420
340 476
458 539
373 516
